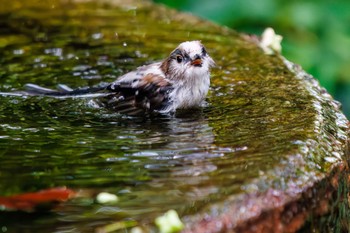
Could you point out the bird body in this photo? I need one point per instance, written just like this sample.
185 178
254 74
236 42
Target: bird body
181 81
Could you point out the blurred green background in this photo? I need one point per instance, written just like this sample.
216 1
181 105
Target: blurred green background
316 33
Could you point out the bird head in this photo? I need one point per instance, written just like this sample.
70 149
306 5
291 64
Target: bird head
189 60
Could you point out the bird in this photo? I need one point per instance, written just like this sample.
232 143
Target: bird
180 81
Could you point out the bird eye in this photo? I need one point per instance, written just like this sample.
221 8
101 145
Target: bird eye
204 51
179 58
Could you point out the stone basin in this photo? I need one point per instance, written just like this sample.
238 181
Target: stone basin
268 153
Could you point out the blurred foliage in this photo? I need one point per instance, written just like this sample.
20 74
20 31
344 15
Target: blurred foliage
316 33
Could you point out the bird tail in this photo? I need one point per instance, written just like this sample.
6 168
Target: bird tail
64 91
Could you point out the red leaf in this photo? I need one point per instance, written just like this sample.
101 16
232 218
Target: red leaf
30 201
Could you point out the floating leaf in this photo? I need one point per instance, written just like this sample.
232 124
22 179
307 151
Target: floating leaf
105 197
169 222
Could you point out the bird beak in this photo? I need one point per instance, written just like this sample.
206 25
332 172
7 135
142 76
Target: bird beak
197 62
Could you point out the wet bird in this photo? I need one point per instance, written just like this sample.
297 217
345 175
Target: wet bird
181 81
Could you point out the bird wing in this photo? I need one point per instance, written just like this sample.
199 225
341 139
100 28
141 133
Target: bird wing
145 94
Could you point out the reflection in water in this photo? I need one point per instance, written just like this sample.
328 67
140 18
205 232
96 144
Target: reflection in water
150 163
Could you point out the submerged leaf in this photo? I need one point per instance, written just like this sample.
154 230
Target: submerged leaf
32 201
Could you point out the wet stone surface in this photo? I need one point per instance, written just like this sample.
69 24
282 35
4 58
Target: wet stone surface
268 131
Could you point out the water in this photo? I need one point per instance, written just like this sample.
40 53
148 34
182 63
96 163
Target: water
258 116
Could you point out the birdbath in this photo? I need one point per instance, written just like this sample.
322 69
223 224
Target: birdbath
267 153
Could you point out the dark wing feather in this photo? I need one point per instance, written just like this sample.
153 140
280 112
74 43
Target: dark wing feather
151 93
